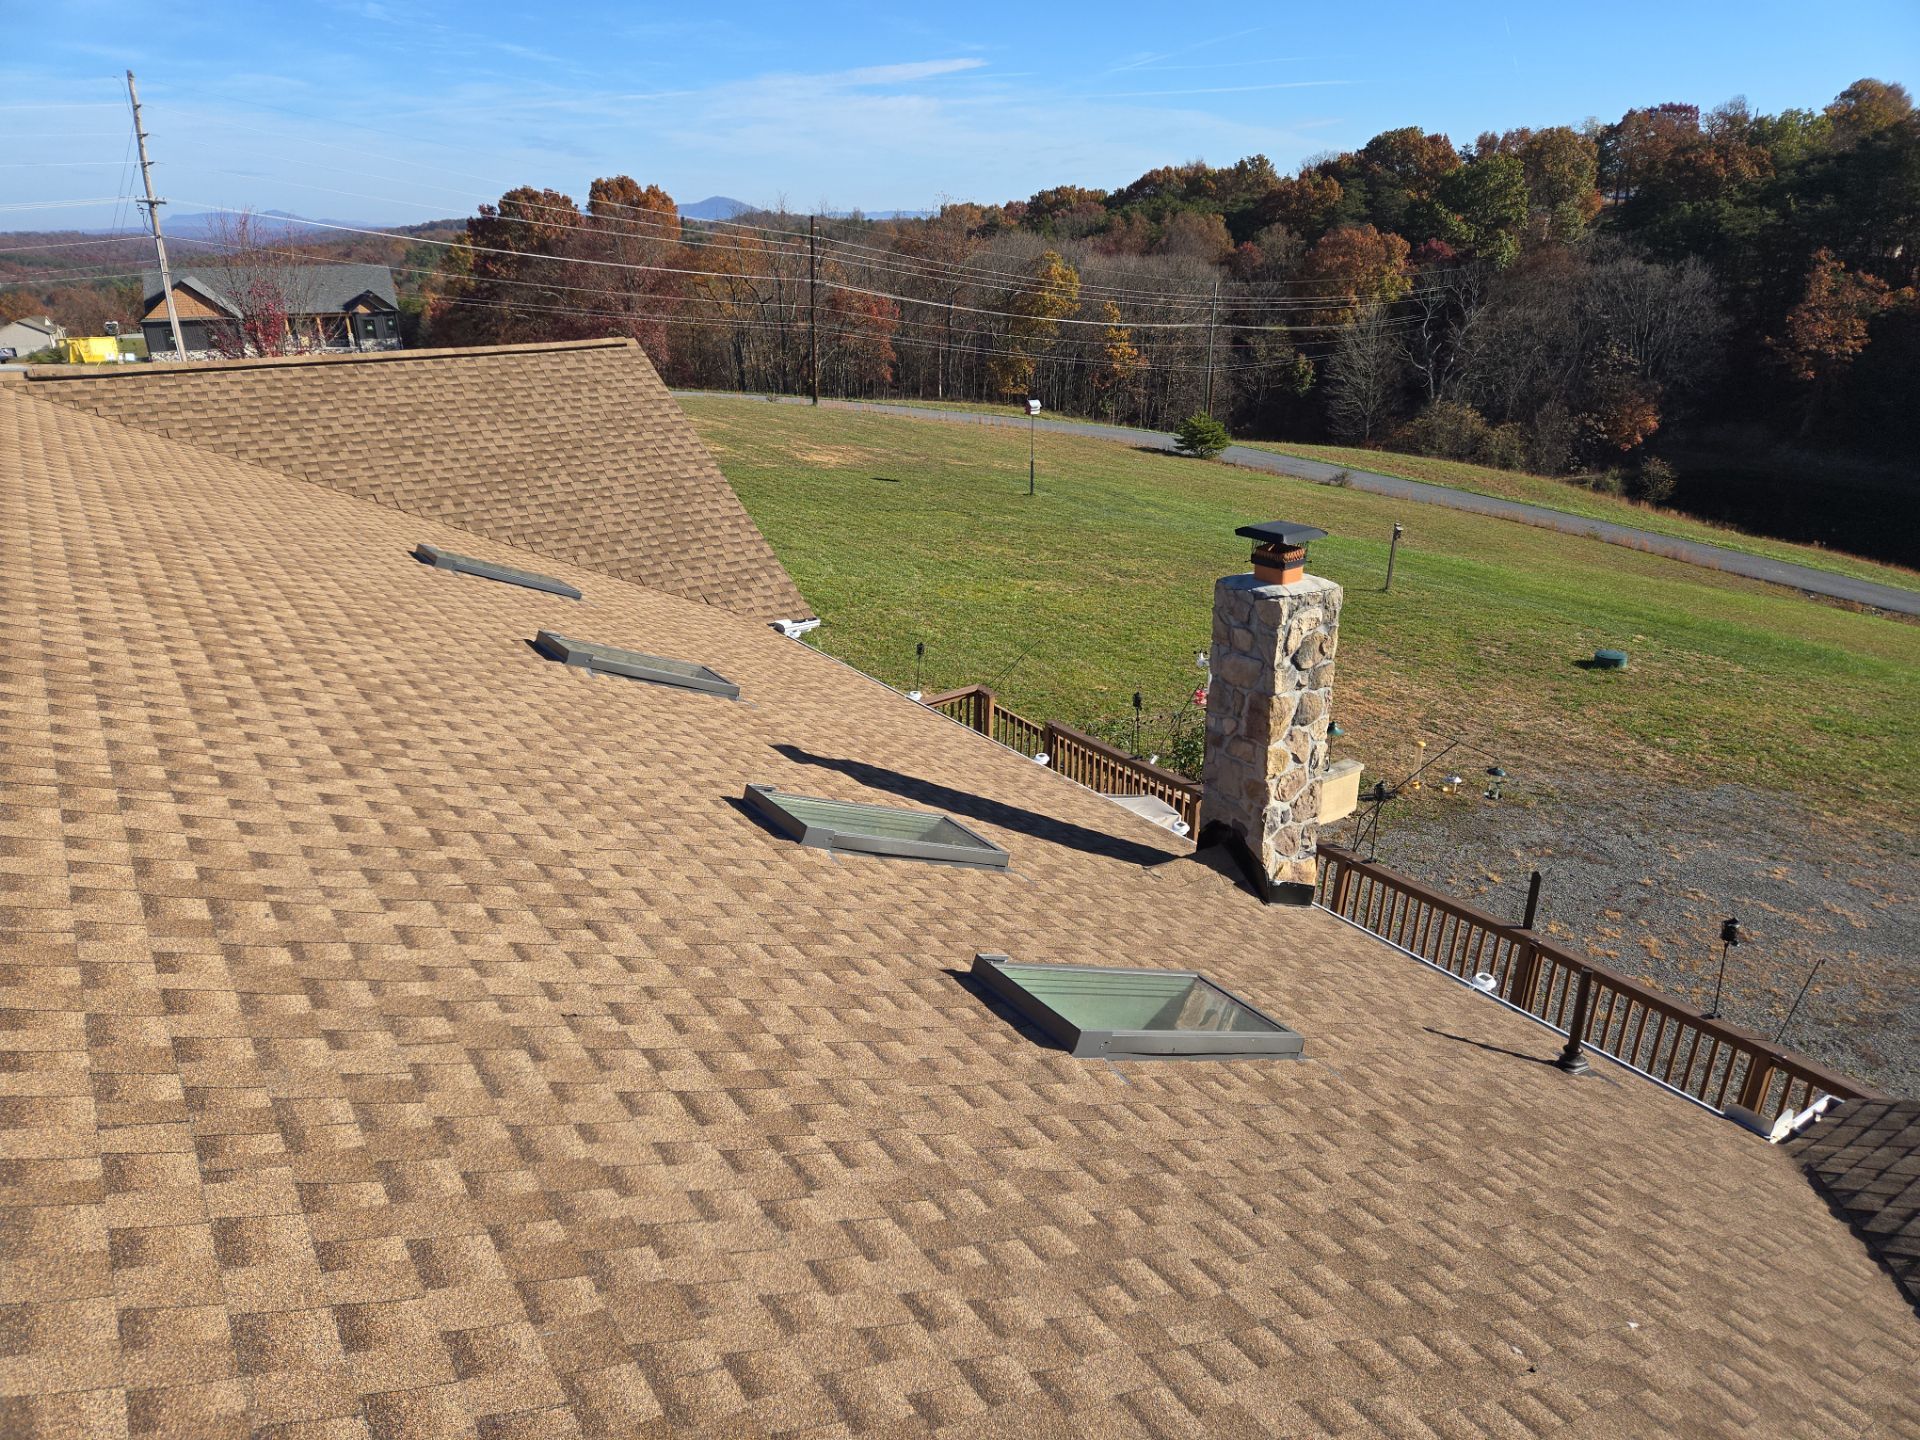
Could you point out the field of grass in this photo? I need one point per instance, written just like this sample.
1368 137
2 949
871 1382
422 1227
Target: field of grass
902 531
1577 500
1542 490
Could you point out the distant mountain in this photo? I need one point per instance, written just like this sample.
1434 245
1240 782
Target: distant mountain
715 207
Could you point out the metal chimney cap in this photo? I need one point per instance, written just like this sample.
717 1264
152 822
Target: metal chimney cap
1282 532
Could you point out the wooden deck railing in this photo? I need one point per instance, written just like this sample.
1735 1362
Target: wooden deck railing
1075 754
1716 1063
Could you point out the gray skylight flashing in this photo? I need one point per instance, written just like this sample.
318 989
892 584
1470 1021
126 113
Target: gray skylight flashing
609 660
1095 1010
874 829
487 570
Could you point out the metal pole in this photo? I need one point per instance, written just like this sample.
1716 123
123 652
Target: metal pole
1213 318
152 206
1571 1060
1032 424
813 331
1393 550
1713 1011
1533 901
1796 999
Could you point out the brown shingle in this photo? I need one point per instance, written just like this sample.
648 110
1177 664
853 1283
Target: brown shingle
573 451
457 1002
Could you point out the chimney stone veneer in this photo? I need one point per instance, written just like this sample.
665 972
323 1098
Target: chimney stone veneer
1268 707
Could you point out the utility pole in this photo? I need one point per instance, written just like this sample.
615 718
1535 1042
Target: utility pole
1213 319
152 206
813 331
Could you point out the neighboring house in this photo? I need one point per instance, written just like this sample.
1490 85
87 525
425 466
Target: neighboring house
20 338
329 308
467 1052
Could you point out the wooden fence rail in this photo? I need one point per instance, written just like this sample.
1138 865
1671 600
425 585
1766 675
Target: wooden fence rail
1075 754
1716 1063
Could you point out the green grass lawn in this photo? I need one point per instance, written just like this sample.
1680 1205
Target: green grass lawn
1577 500
902 531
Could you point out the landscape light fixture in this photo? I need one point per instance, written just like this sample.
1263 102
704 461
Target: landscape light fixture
1496 779
1136 722
1730 937
1393 550
1200 661
1033 416
919 656
1336 730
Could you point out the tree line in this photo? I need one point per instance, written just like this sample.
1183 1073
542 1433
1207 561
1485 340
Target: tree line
1558 299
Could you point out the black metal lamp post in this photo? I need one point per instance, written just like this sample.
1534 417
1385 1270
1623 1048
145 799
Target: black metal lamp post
1729 937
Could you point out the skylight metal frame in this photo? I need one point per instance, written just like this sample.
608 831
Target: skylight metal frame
848 825
634 664
990 972
486 569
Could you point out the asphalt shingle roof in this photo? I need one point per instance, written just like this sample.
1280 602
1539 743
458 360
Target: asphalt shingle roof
318 289
574 451
403 1035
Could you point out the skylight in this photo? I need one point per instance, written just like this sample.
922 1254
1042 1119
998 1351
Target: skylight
1093 1010
487 570
874 829
611 661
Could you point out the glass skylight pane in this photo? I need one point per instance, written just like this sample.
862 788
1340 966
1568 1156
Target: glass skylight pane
1135 999
874 829
1100 1010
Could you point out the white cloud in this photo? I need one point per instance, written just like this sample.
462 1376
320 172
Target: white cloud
912 70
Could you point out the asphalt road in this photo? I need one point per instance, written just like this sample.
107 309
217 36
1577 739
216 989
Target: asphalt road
1693 552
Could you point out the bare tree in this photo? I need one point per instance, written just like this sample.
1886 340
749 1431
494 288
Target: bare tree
1363 375
266 283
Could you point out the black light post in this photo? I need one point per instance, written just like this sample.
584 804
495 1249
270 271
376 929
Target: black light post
1729 937
1136 723
919 656
1393 549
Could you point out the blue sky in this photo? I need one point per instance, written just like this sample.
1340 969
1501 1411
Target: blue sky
397 110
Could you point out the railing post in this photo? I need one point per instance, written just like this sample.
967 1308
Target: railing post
1533 901
1571 1059
1523 978
1342 882
983 709
1753 1089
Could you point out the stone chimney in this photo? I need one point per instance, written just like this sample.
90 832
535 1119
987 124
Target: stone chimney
1268 705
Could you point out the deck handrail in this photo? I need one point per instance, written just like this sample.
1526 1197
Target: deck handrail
1714 1062
1074 753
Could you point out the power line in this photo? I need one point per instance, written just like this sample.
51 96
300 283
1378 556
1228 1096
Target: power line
949 306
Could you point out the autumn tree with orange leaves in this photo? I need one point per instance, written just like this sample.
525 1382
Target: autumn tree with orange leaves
1829 328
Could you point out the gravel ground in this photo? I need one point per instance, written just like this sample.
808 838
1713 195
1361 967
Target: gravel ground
1640 875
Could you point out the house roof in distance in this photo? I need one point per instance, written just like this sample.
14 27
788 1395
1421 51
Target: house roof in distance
406 1036
575 452
317 289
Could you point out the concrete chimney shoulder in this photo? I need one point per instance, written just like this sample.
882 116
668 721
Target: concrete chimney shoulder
1268 706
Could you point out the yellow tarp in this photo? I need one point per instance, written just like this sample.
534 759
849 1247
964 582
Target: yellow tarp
92 350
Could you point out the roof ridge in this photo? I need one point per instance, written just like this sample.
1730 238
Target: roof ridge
271 362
